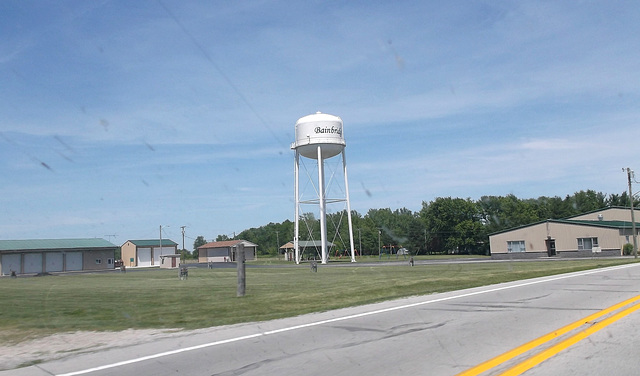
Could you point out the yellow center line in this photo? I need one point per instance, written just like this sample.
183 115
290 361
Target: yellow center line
500 359
553 350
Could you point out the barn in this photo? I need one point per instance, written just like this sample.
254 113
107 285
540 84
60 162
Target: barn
594 234
36 256
147 252
224 251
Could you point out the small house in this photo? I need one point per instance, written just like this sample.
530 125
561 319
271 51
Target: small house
225 251
147 252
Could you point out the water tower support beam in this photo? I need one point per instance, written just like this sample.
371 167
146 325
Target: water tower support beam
296 173
346 189
323 211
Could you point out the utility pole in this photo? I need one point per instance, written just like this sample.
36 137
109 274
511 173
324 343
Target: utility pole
182 227
153 257
633 219
242 280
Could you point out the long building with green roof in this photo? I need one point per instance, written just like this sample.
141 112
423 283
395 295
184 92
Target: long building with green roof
599 233
35 256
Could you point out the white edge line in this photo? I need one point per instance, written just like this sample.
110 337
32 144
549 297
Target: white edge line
343 318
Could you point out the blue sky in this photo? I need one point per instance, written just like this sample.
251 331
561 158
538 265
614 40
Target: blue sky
120 116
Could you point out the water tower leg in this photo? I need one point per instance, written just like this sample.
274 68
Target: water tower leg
346 189
296 173
323 213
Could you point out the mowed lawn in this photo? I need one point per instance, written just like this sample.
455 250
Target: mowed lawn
112 301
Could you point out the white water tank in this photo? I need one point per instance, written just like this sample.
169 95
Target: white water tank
322 130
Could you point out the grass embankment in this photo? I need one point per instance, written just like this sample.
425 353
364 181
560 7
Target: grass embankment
113 301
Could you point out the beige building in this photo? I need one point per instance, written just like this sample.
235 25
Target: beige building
599 233
225 251
170 261
149 252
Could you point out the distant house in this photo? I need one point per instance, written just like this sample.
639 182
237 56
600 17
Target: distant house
148 252
308 249
598 233
170 261
55 255
225 251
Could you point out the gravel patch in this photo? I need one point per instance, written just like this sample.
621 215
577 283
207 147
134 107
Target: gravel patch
62 345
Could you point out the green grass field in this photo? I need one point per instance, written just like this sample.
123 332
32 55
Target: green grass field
111 301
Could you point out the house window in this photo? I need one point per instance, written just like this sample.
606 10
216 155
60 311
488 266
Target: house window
98 261
587 244
109 261
516 246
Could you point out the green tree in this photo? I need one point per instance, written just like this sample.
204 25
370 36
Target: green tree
499 213
587 201
200 241
622 200
553 208
270 237
448 220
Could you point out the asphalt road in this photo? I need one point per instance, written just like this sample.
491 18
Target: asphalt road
440 334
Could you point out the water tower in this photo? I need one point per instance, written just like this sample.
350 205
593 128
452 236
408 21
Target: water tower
319 136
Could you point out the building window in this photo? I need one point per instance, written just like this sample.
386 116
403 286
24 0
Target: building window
587 244
98 261
109 261
516 246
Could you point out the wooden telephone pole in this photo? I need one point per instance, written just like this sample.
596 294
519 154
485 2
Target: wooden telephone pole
241 272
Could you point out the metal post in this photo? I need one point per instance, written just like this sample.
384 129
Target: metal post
296 173
323 211
346 188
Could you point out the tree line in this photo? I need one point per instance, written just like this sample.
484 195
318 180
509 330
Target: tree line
444 225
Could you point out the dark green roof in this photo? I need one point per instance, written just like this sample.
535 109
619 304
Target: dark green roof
597 223
153 242
44 244
578 222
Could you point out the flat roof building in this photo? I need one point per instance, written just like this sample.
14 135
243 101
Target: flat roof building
595 234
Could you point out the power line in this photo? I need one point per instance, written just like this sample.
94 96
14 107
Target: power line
220 71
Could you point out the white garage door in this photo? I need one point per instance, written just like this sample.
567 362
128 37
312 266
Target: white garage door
33 262
10 262
53 262
144 256
73 261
